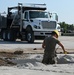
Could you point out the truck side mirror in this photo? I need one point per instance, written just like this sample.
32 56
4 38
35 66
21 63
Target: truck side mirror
56 17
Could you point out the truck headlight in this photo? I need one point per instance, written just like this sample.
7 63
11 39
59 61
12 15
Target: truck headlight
36 27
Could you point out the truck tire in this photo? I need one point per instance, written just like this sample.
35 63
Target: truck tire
11 36
4 35
30 37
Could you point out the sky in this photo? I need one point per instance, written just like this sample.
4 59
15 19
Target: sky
64 8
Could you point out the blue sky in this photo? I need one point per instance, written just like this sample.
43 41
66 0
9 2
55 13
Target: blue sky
64 8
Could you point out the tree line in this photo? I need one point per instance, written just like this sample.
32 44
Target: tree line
66 27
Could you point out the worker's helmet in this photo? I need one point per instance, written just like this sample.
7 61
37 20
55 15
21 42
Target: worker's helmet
56 32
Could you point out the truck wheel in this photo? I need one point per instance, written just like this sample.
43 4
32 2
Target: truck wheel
11 36
30 37
4 35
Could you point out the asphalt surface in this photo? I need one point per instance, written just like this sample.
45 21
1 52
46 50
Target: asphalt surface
67 41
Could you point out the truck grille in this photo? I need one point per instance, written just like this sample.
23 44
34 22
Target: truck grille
48 25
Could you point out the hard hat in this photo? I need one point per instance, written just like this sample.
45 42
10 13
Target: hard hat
56 32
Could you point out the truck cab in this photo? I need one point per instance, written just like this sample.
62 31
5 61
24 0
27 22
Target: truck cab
40 22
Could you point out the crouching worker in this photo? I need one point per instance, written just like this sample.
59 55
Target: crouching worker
49 45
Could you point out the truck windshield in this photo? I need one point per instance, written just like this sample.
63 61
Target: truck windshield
38 14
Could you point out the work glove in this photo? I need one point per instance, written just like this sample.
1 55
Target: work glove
65 52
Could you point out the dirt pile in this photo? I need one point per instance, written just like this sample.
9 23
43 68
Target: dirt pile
5 57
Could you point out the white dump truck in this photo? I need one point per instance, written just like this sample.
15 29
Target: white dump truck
27 22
